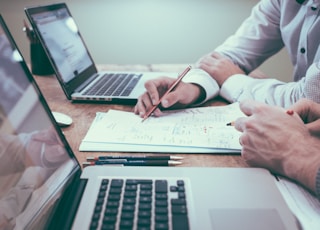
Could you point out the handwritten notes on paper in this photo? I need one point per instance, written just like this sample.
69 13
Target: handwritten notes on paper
200 129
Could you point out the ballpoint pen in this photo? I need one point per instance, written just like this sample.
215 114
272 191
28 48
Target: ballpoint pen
131 158
135 163
230 123
167 92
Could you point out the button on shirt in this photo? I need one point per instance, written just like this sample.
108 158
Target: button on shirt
272 25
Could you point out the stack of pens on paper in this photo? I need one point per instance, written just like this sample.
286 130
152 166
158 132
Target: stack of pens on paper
134 160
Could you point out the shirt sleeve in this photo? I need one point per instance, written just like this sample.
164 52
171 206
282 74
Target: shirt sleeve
272 91
258 37
203 79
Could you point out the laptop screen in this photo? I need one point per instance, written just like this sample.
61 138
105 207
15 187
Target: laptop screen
61 36
35 160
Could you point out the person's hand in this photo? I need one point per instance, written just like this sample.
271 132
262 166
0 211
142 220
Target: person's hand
182 96
219 67
278 141
309 111
45 149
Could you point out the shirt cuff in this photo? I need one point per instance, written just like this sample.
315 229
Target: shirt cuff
233 87
204 80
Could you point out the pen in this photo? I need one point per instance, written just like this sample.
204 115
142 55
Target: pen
166 93
130 158
135 163
230 123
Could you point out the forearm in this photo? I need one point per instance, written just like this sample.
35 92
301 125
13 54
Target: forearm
257 39
271 91
303 165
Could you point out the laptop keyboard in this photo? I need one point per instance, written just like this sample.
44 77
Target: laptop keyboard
119 84
141 204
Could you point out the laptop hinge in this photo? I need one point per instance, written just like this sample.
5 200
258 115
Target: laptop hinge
66 210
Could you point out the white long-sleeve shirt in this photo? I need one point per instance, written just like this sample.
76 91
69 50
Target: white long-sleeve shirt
272 25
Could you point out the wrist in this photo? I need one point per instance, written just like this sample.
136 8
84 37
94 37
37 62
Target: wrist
303 165
200 94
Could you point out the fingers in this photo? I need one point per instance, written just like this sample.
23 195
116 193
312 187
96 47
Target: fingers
46 136
156 87
239 124
308 110
314 128
249 107
208 62
143 103
219 67
302 108
154 90
216 55
183 95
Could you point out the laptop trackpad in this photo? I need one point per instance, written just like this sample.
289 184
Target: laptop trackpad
229 219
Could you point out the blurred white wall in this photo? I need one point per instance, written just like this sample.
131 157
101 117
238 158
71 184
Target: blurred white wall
150 31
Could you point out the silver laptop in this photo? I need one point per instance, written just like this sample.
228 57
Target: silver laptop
73 64
42 185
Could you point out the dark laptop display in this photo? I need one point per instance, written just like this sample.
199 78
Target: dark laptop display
35 161
73 65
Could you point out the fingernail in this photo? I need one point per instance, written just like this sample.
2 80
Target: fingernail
165 103
290 112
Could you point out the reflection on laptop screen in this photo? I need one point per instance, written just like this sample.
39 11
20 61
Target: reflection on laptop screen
34 163
54 25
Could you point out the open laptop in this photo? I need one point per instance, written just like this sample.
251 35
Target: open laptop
73 64
43 186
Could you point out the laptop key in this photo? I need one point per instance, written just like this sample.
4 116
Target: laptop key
180 222
109 219
161 186
178 202
130 87
116 183
126 224
161 218
110 211
120 205
121 86
144 222
127 215
162 226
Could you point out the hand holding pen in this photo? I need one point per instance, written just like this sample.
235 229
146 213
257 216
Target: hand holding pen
171 88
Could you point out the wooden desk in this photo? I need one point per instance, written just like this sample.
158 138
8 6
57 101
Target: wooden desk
83 114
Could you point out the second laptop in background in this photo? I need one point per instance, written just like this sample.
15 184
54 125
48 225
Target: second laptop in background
73 65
